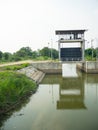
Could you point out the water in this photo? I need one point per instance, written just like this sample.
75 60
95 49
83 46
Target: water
70 71
69 103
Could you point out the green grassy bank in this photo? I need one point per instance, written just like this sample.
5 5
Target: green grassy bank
13 88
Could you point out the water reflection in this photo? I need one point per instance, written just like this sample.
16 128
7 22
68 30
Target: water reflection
6 116
60 104
78 98
71 93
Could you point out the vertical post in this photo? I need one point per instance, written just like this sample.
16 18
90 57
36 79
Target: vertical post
51 49
92 47
96 54
96 49
83 49
59 50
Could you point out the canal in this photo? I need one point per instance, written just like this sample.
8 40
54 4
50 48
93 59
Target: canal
60 103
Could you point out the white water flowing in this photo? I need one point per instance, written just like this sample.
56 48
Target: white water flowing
69 70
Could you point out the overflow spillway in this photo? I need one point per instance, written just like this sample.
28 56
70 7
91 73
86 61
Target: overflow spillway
69 70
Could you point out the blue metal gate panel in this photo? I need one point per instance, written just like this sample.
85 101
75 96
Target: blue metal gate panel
71 54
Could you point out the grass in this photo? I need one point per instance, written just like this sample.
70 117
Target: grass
13 87
14 67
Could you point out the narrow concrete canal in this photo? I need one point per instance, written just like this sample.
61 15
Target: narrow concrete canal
60 103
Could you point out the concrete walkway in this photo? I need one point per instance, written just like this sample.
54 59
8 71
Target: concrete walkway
15 63
22 62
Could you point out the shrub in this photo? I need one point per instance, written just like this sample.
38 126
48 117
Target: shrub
13 86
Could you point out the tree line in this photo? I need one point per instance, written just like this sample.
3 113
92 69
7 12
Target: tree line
91 54
26 53
45 53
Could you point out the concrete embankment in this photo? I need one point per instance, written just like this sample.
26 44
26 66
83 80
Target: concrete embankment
90 67
37 70
48 67
33 73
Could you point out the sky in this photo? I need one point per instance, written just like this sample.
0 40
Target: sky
32 23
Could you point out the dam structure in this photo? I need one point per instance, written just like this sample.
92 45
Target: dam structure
71 47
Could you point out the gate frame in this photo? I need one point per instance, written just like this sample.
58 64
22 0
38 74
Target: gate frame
71 36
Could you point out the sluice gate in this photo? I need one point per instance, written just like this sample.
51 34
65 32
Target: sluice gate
69 70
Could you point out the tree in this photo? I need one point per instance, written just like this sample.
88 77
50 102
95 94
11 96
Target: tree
7 56
45 52
48 52
1 54
88 52
24 52
34 54
54 54
91 53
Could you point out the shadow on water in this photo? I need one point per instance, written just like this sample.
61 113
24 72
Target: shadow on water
4 117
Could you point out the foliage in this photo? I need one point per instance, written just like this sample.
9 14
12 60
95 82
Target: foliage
13 86
91 54
48 52
26 53
45 52
55 54
1 55
15 67
6 56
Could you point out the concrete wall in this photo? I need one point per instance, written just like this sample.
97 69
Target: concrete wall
56 67
89 66
32 73
48 67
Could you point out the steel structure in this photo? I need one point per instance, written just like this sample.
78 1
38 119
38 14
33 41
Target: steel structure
71 53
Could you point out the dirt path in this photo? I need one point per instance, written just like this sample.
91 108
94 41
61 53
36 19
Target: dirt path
16 63
21 62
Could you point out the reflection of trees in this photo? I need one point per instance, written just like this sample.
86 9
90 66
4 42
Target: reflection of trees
4 117
71 93
52 79
92 78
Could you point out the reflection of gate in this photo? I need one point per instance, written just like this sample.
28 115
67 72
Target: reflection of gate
71 94
71 54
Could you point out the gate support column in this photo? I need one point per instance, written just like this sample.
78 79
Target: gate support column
59 51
